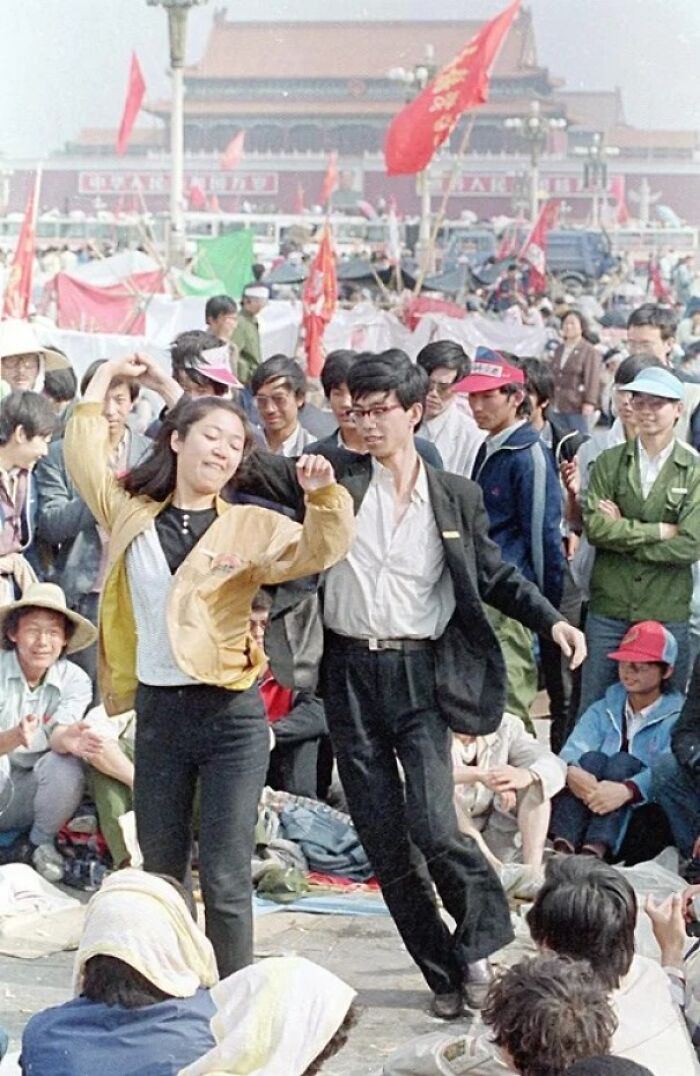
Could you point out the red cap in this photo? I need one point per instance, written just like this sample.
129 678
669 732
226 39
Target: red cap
489 371
647 641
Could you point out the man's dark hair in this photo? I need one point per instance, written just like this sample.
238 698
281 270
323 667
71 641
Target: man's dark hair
336 1043
30 410
633 365
660 317
279 366
261 601
445 353
14 619
539 379
131 383
61 386
609 1065
186 356
336 369
389 371
549 1012
586 910
218 305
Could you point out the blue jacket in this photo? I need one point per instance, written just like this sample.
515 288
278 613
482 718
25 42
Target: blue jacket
600 729
522 497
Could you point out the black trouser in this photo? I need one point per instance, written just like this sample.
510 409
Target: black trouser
380 707
220 737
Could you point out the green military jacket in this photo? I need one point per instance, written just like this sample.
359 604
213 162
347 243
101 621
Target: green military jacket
246 337
637 575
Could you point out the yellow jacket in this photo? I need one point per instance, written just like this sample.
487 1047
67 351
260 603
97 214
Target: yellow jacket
208 610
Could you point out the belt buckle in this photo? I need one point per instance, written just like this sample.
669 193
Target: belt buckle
375 645
378 646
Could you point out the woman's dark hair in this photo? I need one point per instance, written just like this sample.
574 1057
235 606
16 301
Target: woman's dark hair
111 981
633 365
583 324
156 475
13 619
186 356
445 353
336 369
280 366
586 910
130 382
388 371
30 410
336 1043
549 1012
60 385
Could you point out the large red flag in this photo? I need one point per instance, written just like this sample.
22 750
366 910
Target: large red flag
319 298
430 118
132 106
330 180
18 290
233 153
535 245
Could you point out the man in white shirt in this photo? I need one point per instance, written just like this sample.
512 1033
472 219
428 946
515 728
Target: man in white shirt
279 388
448 425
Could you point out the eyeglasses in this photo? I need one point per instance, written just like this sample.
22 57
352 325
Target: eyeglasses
21 362
442 388
277 401
376 414
641 402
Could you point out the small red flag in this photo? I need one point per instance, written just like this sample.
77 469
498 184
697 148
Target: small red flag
319 297
330 180
233 154
132 106
534 247
430 118
18 290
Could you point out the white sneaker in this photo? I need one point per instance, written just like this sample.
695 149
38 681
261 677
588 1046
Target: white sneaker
48 862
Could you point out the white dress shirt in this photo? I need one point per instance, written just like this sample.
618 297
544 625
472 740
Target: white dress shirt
295 444
650 466
456 437
393 584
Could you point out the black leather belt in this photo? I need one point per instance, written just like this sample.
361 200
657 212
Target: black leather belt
405 646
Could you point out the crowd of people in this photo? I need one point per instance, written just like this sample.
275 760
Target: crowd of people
357 598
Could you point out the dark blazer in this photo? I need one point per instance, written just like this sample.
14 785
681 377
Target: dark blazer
578 383
470 672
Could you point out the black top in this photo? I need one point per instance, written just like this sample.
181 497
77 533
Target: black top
179 530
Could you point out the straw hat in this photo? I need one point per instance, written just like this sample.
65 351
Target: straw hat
20 338
50 596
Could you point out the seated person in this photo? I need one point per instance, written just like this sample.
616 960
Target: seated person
680 955
43 738
27 422
504 783
301 758
611 751
586 910
146 991
546 1013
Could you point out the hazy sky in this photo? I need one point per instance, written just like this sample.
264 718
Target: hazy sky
65 62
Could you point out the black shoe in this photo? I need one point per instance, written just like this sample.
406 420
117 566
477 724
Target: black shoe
477 980
447 1006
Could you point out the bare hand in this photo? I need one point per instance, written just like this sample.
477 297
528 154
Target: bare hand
609 509
82 741
571 642
608 796
668 925
667 531
687 897
571 544
507 801
314 472
27 729
508 778
580 782
571 476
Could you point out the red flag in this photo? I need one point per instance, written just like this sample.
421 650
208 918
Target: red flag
430 118
319 298
196 198
508 246
535 245
233 154
617 190
656 281
18 290
132 106
330 180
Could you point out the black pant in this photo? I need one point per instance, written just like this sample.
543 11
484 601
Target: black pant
380 707
220 737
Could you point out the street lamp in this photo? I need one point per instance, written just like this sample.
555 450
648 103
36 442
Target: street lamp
595 171
177 33
415 80
534 129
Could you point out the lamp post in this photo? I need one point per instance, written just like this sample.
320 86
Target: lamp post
534 129
177 34
415 80
595 171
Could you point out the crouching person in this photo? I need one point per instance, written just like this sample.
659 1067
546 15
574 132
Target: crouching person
43 739
504 784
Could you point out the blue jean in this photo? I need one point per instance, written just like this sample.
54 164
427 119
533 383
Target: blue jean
599 672
678 793
572 819
219 737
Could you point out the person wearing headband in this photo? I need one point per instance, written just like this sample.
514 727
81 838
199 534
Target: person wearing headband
246 335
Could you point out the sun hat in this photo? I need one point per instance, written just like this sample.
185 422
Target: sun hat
647 641
50 596
214 364
19 338
489 371
657 381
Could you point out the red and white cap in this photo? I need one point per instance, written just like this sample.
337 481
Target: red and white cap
647 641
489 371
214 364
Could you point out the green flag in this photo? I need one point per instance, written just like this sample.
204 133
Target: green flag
190 284
228 258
